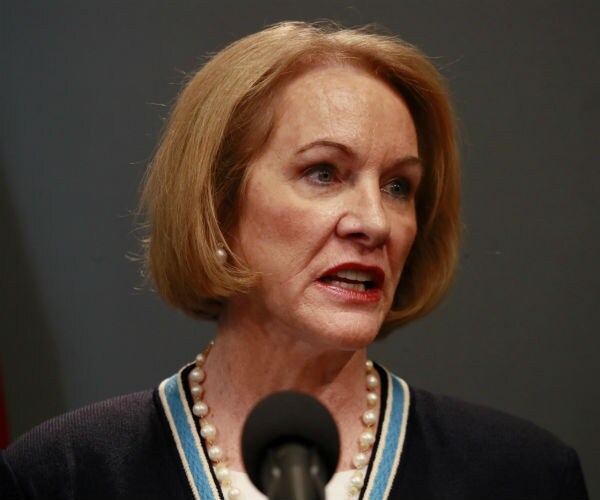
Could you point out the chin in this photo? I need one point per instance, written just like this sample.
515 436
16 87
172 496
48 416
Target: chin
348 333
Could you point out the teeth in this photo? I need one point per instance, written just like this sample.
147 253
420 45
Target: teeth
358 287
355 275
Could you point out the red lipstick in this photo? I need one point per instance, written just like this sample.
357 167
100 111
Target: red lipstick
354 282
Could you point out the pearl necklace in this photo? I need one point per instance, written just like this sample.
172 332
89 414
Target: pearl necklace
215 453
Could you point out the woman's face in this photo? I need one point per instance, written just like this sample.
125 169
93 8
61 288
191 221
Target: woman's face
328 217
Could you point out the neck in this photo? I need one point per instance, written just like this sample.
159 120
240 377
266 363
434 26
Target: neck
246 364
259 364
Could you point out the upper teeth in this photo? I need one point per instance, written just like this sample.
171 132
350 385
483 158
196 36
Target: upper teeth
355 275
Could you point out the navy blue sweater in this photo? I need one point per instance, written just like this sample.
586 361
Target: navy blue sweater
124 448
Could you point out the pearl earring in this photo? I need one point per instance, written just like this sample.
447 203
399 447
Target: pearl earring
221 255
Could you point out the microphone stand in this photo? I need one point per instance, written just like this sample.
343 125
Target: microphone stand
294 471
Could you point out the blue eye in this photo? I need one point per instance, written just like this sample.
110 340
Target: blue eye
321 174
399 187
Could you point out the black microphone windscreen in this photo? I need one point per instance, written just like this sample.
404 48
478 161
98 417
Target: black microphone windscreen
289 417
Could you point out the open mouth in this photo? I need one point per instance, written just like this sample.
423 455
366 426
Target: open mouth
354 279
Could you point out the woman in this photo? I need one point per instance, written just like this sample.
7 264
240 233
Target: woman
305 195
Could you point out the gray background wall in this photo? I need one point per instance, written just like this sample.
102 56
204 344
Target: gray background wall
84 89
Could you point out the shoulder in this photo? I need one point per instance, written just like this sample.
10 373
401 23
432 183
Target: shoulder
443 417
111 423
101 450
475 449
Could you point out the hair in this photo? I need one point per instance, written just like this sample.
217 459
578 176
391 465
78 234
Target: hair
221 120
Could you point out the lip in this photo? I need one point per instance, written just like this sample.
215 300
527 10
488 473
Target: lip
358 296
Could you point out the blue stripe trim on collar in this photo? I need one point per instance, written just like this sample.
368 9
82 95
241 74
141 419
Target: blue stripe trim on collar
389 448
188 443
385 460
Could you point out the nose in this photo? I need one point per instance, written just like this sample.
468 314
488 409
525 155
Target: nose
364 218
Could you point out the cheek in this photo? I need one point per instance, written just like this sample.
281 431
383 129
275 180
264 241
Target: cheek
277 233
403 239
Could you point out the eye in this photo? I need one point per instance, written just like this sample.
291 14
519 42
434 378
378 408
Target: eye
322 173
398 187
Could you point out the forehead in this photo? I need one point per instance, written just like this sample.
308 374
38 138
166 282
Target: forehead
342 103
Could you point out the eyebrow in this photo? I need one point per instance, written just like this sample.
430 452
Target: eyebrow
404 161
324 142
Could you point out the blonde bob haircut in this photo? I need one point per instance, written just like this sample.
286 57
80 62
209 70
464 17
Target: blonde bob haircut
222 119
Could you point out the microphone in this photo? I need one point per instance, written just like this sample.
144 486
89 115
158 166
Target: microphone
290 446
